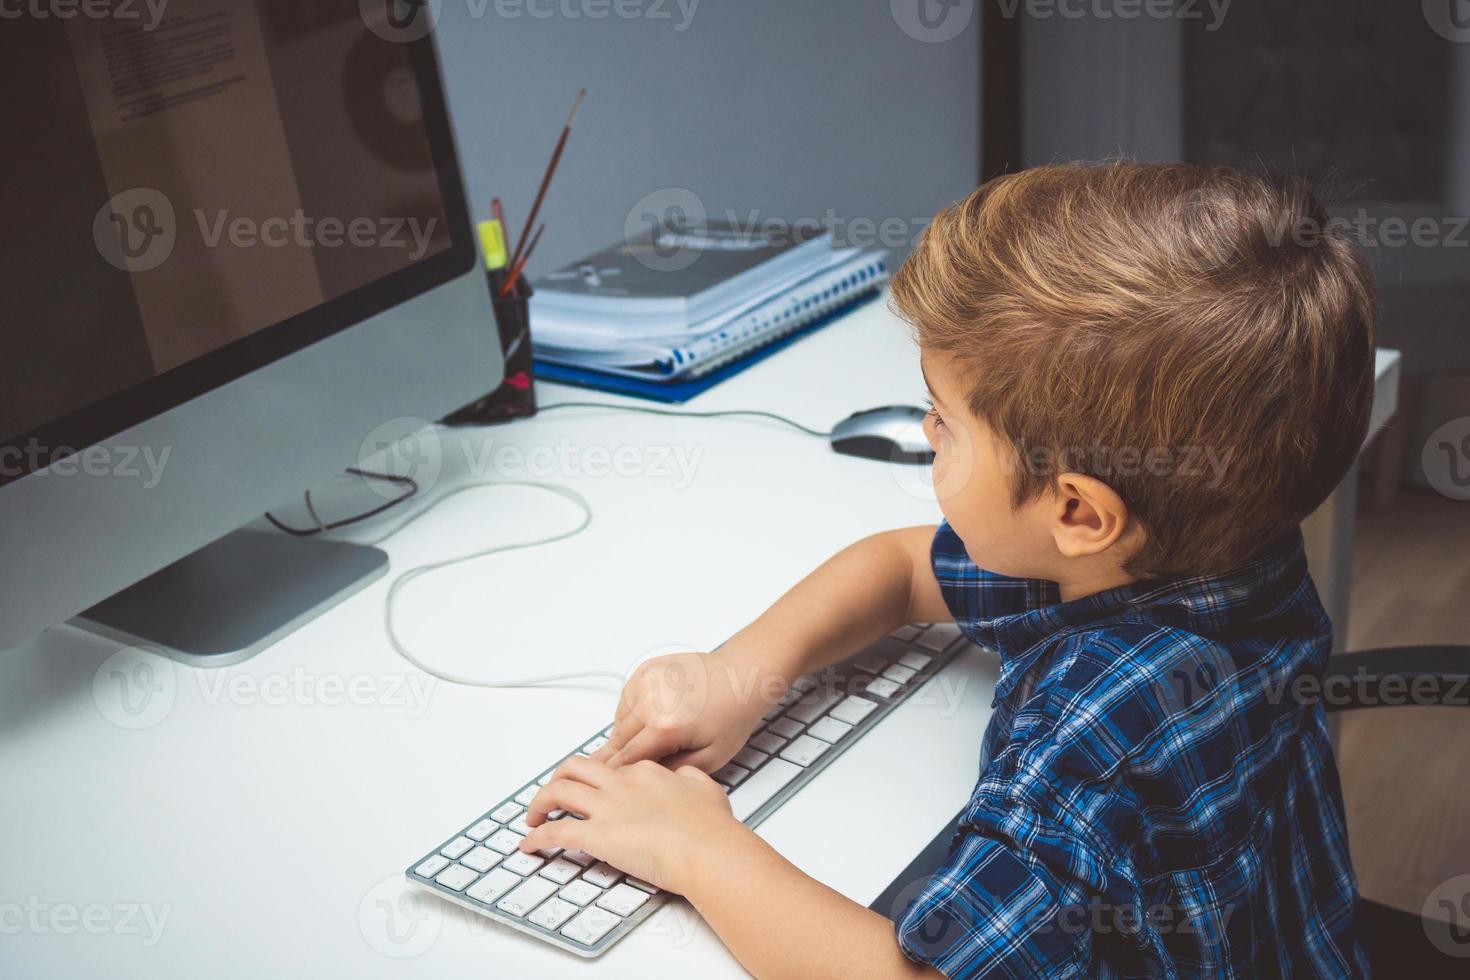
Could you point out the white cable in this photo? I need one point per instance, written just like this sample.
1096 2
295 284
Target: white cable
405 578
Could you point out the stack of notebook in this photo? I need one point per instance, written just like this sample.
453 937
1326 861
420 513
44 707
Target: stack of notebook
672 313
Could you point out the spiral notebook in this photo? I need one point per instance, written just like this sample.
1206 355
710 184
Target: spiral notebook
730 338
683 389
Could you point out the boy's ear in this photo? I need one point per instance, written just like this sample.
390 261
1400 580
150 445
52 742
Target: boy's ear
1089 516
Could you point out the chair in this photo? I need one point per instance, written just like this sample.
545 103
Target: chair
1399 942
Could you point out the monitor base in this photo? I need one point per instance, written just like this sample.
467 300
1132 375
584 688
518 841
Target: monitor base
233 598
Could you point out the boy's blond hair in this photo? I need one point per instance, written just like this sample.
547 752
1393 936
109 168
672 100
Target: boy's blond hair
1146 314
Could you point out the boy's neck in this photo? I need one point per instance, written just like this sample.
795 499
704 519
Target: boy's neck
1079 584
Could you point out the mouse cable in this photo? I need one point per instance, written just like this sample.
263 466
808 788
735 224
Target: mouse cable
389 603
566 493
649 410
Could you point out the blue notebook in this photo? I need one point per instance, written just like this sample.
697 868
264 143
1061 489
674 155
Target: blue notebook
683 389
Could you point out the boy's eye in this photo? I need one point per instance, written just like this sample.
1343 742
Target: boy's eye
934 413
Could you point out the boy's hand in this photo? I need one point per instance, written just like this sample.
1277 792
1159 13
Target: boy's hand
644 819
694 709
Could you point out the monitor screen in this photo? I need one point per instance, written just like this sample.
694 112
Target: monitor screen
196 188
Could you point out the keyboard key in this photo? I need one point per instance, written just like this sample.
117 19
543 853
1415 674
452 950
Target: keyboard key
731 775
526 896
481 859
580 892
906 632
939 636
750 758
870 664
595 744
853 709
603 875
804 750
552 913
580 857
775 711
456 847
640 883
519 825
766 783
523 864
493 885
883 687
810 709
624 900
900 674
504 841
805 684
482 830
545 778
561 871
525 796
829 729
768 743
590 926
785 727
915 661
505 813
432 866
456 877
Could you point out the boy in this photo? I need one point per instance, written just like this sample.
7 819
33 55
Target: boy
1150 803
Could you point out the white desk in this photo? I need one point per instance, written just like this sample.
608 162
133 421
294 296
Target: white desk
269 808
262 822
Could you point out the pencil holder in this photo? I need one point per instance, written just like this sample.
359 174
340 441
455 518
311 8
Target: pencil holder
516 396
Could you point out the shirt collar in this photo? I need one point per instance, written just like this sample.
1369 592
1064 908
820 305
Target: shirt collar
1201 604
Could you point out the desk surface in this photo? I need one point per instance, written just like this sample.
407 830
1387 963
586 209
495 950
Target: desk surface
256 819
265 811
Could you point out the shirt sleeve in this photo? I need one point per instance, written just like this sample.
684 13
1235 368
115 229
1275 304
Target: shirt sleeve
996 909
974 594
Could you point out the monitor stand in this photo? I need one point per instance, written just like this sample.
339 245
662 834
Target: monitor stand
233 598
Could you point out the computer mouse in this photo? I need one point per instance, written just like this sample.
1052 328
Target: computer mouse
893 433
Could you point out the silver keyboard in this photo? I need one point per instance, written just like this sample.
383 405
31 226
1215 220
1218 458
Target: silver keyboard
575 902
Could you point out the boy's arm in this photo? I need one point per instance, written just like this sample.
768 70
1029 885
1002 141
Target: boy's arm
674 828
860 594
780 922
698 708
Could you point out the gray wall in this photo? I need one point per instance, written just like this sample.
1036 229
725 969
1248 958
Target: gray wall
787 107
1095 89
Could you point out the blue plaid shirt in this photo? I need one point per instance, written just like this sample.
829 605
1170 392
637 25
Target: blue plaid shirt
1153 801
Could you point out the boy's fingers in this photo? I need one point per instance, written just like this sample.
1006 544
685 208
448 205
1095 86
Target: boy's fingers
624 729
567 834
705 759
649 743
562 794
583 769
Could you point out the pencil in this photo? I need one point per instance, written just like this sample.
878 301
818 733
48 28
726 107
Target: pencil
561 145
498 211
515 272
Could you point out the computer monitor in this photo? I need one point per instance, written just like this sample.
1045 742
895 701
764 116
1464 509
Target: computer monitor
238 257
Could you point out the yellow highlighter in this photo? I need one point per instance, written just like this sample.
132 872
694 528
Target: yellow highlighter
492 244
